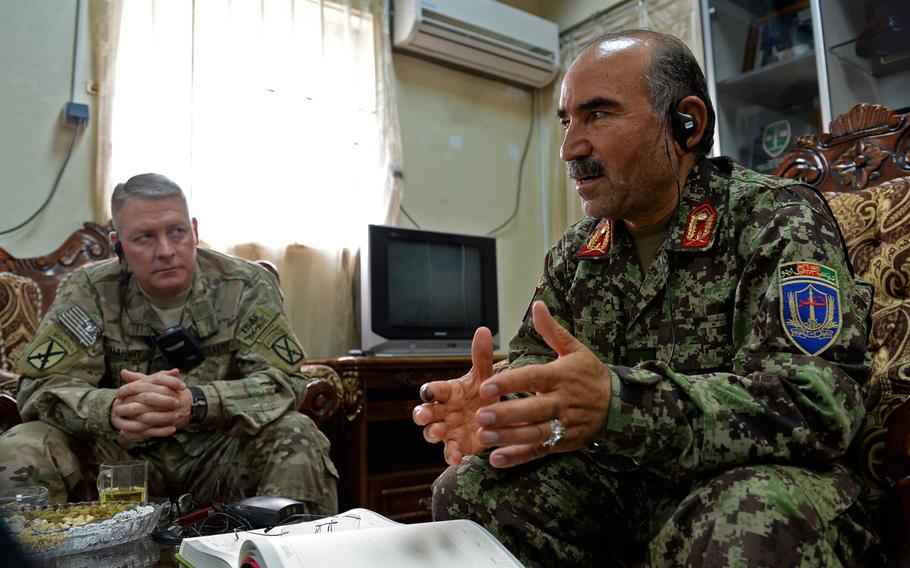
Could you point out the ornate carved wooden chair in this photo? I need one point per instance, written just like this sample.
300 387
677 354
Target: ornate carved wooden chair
863 167
27 289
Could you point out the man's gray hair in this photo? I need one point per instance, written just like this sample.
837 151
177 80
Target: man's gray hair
672 75
143 186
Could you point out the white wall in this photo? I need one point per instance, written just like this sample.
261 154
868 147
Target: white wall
567 13
462 138
36 39
460 133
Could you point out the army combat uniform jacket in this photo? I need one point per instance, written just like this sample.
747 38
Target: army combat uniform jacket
101 323
737 363
745 341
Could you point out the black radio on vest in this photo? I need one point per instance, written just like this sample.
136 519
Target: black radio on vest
180 348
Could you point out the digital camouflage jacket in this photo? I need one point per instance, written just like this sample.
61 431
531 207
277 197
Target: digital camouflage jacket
101 322
745 342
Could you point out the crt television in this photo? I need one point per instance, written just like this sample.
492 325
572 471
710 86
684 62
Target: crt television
424 292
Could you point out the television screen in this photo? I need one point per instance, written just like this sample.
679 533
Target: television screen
434 285
428 291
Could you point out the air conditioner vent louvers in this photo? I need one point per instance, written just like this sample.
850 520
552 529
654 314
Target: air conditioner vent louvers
437 18
489 37
473 43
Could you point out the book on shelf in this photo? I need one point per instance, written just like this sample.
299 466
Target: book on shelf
358 537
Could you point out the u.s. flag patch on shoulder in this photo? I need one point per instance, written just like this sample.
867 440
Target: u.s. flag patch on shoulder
810 305
79 325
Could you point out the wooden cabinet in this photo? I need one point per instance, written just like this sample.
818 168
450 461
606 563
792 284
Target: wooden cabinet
383 461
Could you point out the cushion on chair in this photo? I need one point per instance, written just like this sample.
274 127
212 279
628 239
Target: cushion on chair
876 226
20 313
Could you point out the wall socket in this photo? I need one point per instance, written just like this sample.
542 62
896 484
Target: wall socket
75 114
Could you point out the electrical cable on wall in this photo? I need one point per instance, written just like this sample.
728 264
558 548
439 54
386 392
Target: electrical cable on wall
406 214
50 196
75 52
521 164
78 119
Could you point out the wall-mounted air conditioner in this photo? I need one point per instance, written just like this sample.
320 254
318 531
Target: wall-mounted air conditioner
482 35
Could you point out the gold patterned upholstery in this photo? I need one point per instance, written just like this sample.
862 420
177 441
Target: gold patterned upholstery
20 313
876 226
862 165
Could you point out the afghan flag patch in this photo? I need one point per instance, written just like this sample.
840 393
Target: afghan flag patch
810 305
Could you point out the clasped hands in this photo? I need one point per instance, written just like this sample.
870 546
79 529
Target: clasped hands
469 417
151 406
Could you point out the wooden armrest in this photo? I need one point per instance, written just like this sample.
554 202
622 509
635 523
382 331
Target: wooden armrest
9 412
324 392
896 467
897 444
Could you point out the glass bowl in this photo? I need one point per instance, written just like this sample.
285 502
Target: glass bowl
22 498
56 530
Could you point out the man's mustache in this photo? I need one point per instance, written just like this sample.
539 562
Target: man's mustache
584 167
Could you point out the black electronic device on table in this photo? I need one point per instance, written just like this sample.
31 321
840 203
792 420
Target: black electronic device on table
266 511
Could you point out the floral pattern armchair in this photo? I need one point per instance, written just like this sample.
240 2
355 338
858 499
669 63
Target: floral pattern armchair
862 165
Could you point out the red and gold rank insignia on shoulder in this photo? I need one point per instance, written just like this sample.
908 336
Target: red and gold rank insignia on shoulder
599 242
810 308
700 226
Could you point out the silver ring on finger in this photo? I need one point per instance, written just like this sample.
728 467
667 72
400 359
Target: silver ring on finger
557 431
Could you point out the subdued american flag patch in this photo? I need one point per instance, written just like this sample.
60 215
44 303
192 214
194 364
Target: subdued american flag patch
80 326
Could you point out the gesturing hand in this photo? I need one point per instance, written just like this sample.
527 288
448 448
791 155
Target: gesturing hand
575 389
467 415
449 414
150 406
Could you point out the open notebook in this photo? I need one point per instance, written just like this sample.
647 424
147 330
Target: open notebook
358 537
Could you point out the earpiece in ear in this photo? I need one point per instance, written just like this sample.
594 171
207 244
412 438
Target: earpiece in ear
683 125
118 250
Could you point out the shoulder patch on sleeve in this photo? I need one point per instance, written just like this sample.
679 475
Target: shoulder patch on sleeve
266 332
810 309
287 349
80 326
51 352
254 324
278 345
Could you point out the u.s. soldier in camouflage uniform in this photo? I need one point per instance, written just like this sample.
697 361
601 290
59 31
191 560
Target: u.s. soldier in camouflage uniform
97 388
705 358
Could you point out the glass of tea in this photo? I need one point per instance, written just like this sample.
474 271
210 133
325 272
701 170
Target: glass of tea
123 481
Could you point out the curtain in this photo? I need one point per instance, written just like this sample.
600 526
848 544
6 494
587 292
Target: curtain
676 17
278 119
104 24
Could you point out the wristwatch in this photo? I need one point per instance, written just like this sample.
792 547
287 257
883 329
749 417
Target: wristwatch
199 408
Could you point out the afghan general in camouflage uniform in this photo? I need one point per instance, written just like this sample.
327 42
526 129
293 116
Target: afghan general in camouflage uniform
731 369
251 439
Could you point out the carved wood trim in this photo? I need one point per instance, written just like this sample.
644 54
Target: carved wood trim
85 245
866 145
863 119
353 394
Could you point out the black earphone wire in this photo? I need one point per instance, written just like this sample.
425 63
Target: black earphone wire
675 214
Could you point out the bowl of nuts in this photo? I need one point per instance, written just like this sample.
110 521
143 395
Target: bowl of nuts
71 528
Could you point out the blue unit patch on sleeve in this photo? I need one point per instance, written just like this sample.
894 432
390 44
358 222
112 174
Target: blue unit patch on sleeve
810 305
